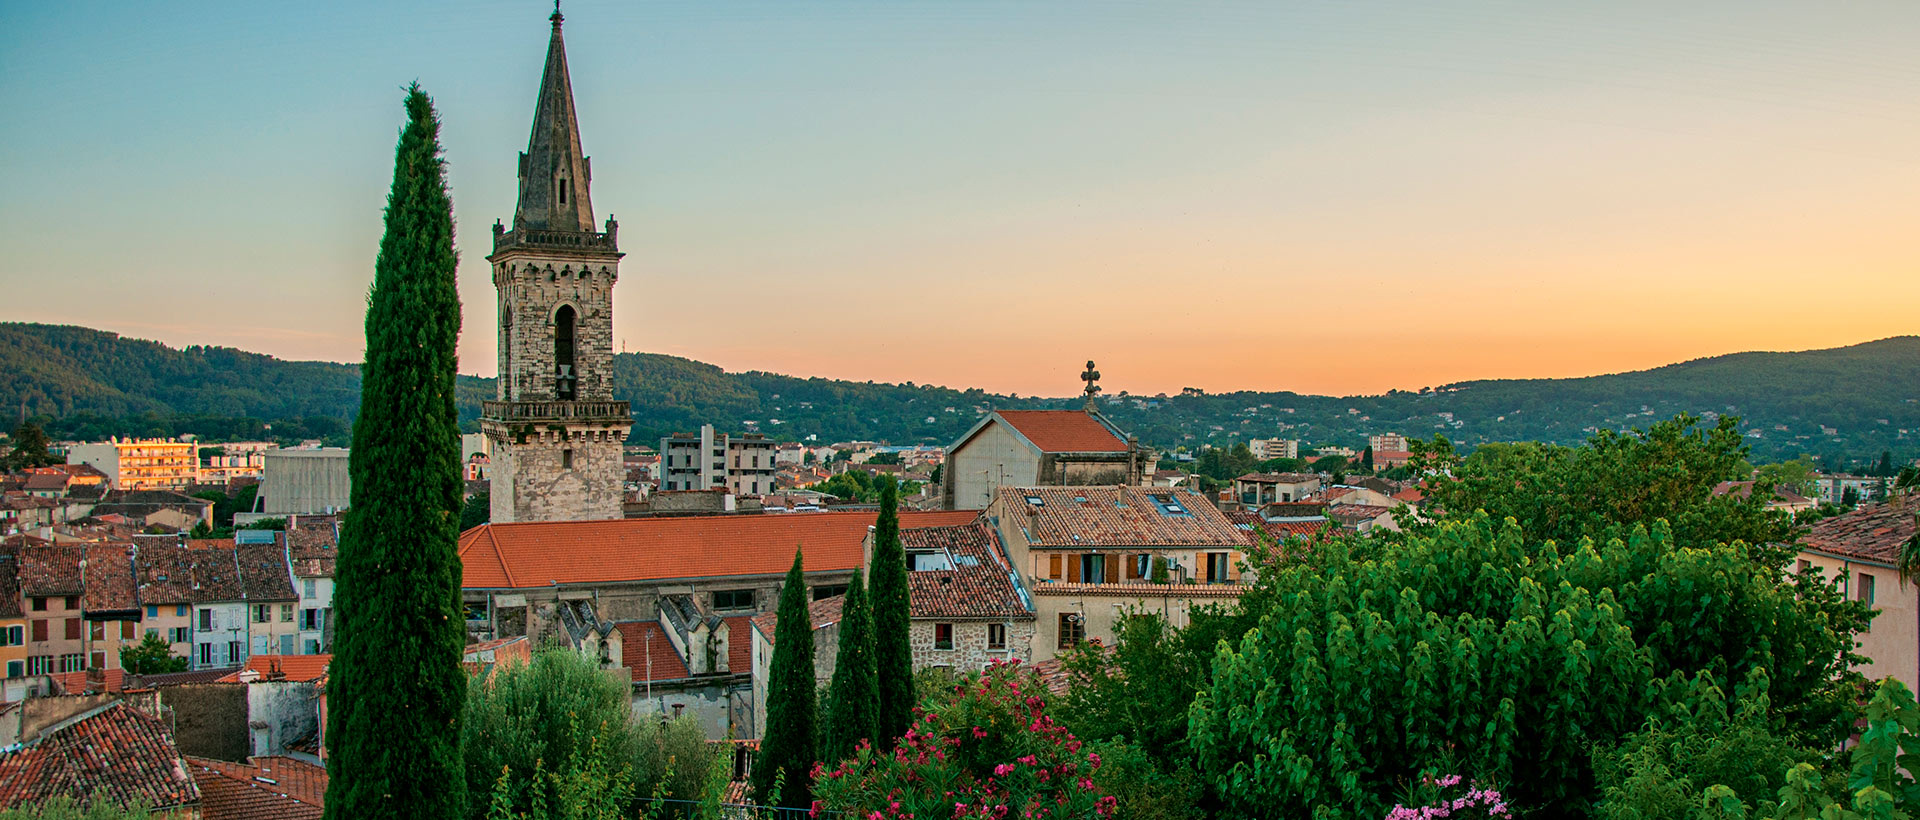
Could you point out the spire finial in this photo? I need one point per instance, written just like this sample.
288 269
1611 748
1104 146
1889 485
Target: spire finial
1092 378
556 18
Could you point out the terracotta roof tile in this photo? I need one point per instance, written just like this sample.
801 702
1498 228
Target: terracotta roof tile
1118 517
538 554
216 576
51 571
266 788
1875 532
263 573
287 667
643 640
978 585
165 572
109 579
821 614
76 683
1064 431
114 754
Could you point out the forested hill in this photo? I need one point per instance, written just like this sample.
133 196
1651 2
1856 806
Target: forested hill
93 383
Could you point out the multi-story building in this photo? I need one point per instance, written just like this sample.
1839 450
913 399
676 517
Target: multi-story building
141 464
237 459
108 603
1859 552
1387 443
1833 488
1271 448
166 591
1091 555
310 553
743 464
272 602
13 617
50 589
968 608
220 618
1257 489
305 482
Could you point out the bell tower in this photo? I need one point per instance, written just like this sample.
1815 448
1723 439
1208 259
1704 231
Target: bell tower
555 428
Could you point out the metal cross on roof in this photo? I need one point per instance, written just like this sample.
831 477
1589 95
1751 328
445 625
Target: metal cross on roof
1092 378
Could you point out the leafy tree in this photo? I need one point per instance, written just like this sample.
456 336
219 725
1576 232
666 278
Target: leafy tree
1375 660
1366 459
67 808
1699 739
151 656
853 700
202 530
1885 467
788 751
30 448
279 524
1850 497
940 470
477 510
1141 788
1797 475
892 617
396 664
1876 780
1137 691
1332 465
1282 465
889 457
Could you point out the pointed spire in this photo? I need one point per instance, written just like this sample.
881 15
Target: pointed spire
554 174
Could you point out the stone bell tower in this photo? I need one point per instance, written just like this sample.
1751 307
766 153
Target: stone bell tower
556 430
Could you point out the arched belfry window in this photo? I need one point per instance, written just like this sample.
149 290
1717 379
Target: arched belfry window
563 353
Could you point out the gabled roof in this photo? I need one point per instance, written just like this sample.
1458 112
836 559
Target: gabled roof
543 553
821 614
165 570
114 754
1874 532
109 580
51 571
265 788
1116 517
644 640
263 573
1063 431
978 585
10 582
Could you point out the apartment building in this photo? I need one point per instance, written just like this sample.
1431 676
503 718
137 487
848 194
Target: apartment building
141 464
1387 443
1271 448
744 464
50 589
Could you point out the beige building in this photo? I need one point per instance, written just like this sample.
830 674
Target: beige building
1271 448
141 464
1088 556
1859 551
1387 443
1040 448
743 464
1258 489
969 608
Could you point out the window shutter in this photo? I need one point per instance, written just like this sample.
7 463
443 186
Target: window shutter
1073 569
73 629
1133 566
1233 567
40 629
1113 569
1053 566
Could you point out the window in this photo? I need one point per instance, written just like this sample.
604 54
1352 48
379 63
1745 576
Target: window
40 664
1865 591
313 647
74 662
286 613
996 636
310 619
308 592
563 190
179 634
98 631
943 636
563 355
39 604
40 629
73 602
16 669
1053 566
733 599
1168 506
73 630
1217 567
153 611
236 650
98 661
825 592
1804 566
206 654
1093 568
566 459
180 610
1072 630
126 630
262 613
206 620
153 633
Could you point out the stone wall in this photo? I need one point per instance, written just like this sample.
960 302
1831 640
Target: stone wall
530 482
532 286
209 719
289 710
969 652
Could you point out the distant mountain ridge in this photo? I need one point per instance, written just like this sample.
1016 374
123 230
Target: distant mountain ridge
1867 394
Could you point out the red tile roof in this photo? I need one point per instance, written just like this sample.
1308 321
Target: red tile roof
289 667
1116 517
109 579
821 614
740 644
266 788
76 683
978 585
51 571
537 554
1064 431
1874 532
114 754
264 575
641 640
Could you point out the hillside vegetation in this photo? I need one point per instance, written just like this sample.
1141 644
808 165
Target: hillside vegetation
91 383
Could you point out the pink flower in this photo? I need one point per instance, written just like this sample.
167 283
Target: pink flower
1002 769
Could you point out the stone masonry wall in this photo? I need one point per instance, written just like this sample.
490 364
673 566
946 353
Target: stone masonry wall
530 483
969 652
532 286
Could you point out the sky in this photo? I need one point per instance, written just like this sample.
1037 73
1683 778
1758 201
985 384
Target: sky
1325 197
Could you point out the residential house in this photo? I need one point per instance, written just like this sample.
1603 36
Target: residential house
156 508
220 625
109 603
268 588
113 754
1784 498
50 587
1860 552
283 701
164 568
1363 518
311 550
968 607
824 616
1087 555
1040 448
13 617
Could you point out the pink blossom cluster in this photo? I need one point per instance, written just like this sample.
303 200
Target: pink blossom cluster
1475 802
989 751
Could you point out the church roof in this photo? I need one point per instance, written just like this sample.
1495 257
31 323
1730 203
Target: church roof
554 174
1055 431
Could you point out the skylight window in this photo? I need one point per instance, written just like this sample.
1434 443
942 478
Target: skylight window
1036 501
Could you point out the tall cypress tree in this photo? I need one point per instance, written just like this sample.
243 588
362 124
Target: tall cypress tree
893 651
790 742
395 688
853 702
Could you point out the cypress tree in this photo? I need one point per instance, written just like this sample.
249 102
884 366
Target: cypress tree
892 651
853 704
790 743
395 688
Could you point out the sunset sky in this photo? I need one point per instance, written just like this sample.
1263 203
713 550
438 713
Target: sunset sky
1328 197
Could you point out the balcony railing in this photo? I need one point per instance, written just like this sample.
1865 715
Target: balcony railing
535 238
556 410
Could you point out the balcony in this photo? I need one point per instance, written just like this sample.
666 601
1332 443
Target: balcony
556 411
604 241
